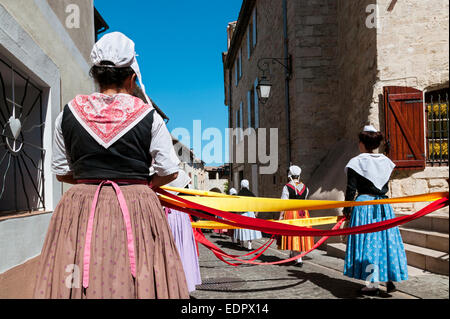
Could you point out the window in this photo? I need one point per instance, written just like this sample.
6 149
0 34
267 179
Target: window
436 109
236 75
22 154
241 119
237 124
251 35
240 63
251 108
404 127
256 103
249 41
238 67
255 29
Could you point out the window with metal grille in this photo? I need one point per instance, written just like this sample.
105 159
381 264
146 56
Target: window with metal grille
21 142
436 108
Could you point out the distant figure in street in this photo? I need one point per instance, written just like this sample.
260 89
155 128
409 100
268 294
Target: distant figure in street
295 189
380 256
242 235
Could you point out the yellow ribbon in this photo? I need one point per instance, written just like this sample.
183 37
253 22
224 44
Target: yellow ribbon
261 204
304 222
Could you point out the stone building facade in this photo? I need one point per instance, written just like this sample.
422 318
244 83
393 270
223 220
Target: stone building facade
343 56
217 178
44 60
191 165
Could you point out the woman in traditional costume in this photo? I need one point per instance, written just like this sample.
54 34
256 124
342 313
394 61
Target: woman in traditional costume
295 189
242 235
109 236
180 224
379 256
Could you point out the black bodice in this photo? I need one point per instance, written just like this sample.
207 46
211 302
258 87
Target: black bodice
128 158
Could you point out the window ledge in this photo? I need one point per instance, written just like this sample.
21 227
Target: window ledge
15 215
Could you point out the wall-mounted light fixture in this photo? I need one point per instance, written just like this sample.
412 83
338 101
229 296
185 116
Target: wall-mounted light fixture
264 81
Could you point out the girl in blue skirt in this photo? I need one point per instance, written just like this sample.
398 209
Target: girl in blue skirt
379 256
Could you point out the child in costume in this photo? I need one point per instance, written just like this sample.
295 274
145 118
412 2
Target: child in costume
295 190
242 235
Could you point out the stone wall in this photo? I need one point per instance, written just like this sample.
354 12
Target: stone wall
312 31
271 114
356 75
344 52
408 47
84 36
314 113
412 41
46 29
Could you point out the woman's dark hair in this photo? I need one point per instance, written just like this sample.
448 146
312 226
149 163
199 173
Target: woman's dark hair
107 76
371 140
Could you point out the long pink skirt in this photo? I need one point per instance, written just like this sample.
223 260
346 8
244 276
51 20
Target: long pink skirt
159 272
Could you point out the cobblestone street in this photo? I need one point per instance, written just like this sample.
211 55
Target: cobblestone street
320 278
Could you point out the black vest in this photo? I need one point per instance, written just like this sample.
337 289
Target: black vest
293 194
128 158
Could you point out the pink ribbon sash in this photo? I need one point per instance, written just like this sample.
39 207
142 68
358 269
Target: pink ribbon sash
127 220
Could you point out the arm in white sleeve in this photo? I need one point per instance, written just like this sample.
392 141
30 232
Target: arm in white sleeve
285 193
61 164
165 161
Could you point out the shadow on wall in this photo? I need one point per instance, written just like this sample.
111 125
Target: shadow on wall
357 76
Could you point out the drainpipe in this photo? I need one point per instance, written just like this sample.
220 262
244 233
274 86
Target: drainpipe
230 114
287 78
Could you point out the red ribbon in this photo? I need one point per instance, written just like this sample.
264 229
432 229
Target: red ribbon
219 253
282 229
290 230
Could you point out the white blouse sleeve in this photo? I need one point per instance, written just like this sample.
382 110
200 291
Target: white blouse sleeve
165 160
60 159
285 193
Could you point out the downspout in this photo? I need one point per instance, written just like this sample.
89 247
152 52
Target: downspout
287 78
230 114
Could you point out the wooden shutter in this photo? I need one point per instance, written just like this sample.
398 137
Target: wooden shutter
404 127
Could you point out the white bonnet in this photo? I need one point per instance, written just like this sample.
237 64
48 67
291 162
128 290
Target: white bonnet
294 170
245 184
117 48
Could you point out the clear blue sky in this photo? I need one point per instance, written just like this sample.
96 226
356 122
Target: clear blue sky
180 45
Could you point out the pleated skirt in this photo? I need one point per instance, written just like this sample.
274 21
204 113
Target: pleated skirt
247 234
182 232
378 256
159 271
295 243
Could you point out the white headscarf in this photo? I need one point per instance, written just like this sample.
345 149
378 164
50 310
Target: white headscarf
377 168
245 184
115 47
233 191
370 128
294 170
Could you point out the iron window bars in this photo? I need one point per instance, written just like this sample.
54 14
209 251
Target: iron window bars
21 151
436 108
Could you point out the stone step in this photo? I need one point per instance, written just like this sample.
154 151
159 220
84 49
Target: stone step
425 238
434 261
436 222
418 258
336 250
